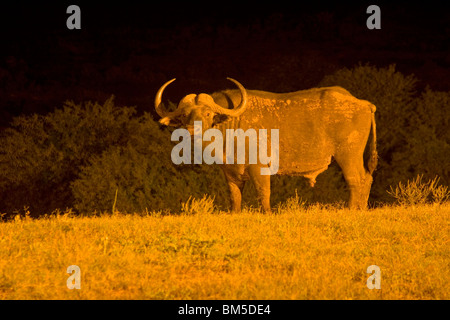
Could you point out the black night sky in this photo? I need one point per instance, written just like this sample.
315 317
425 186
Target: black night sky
130 49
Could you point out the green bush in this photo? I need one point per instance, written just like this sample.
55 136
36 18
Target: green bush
80 155
427 144
139 171
41 154
143 174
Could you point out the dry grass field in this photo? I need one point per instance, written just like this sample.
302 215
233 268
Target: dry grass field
302 253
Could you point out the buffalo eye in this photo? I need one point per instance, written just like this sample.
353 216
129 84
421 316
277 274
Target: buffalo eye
219 118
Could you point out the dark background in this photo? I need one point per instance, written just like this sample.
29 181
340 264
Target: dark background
130 48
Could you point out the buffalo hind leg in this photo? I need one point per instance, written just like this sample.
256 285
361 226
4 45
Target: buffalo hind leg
262 186
359 181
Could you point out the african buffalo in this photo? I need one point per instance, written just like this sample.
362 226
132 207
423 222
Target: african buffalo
314 126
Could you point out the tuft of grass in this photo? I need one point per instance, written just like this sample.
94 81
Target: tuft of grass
416 192
205 205
293 203
440 194
115 201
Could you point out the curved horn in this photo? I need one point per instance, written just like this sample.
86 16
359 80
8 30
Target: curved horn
236 112
158 106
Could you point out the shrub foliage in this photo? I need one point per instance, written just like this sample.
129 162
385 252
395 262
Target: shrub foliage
80 155
41 155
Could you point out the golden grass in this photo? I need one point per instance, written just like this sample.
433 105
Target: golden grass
297 254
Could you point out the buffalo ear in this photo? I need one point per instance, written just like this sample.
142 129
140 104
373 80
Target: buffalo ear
168 121
219 118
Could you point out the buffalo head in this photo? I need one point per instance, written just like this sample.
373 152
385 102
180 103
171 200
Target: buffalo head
198 108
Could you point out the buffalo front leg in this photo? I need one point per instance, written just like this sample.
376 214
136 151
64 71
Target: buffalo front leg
236 183
236 188
262 186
